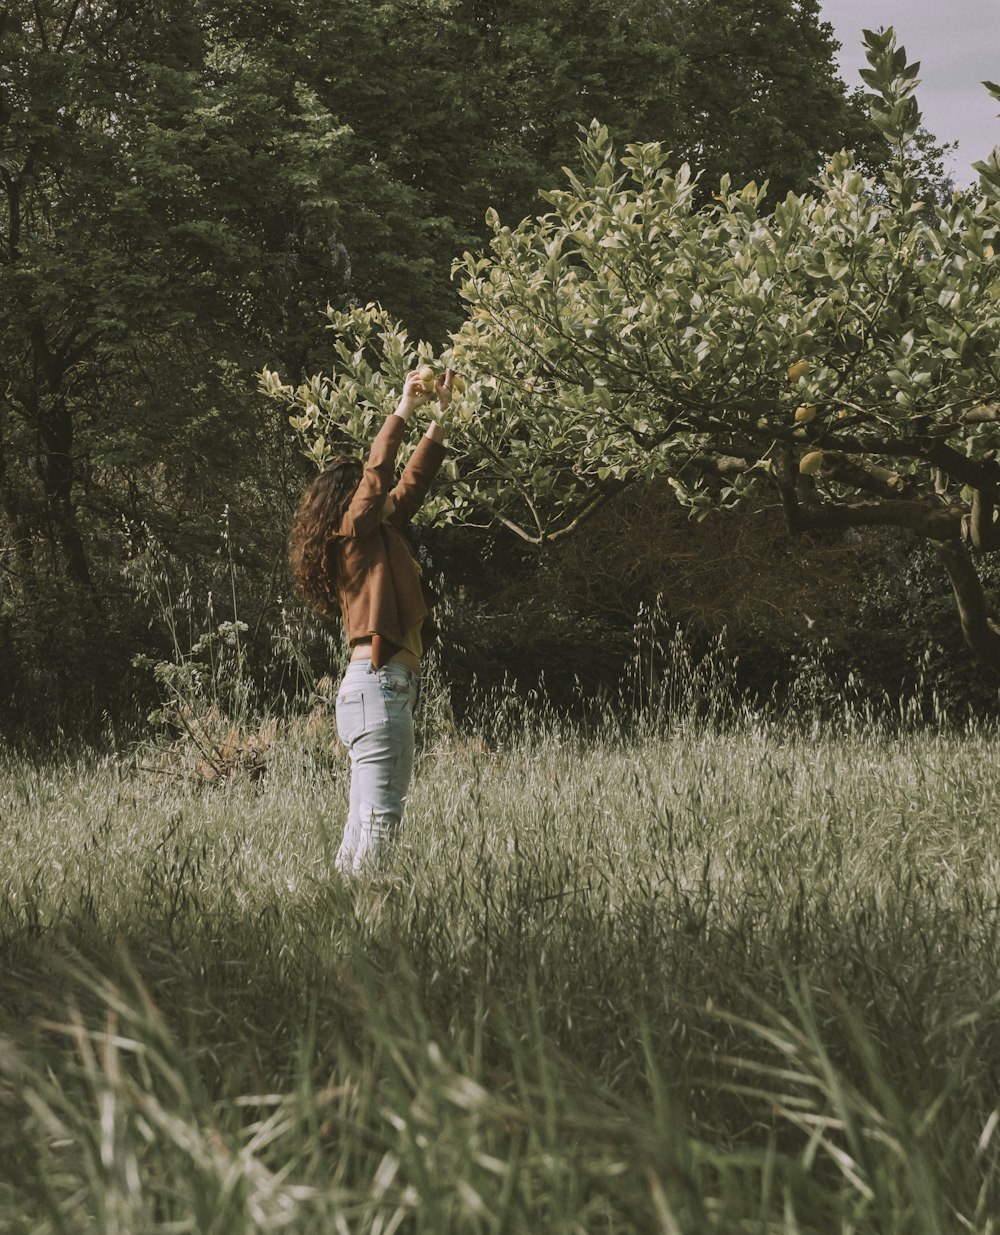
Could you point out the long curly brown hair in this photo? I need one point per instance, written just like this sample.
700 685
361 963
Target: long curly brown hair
310 545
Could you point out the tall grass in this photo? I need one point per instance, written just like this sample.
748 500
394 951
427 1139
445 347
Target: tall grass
695 977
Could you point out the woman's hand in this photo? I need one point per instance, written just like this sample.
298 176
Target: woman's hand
414 395
443 388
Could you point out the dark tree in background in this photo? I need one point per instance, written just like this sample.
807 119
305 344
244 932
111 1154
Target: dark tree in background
167 210
459 105
182 187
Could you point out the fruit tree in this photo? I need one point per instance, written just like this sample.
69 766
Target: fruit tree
836 354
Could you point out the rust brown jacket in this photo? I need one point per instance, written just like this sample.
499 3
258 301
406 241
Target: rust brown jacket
381 595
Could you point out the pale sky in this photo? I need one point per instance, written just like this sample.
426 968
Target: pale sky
958 45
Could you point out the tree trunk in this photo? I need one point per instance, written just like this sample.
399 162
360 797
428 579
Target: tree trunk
934 521
10 504
54 419
981 633
57 437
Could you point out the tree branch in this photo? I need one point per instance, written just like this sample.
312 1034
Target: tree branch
929 519
721 465
68 26
961 468
40 24
509 524
589 507
983 532
869 477
785 475
985 414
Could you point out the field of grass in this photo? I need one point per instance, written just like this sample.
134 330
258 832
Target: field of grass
696 979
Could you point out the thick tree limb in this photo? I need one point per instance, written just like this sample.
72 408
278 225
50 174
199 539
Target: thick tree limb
981 633
786 475
975 473
868 477
721 465
958 466
983 531
747 440
930 519
857 473
985 414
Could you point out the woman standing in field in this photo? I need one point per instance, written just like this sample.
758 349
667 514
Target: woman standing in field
350 559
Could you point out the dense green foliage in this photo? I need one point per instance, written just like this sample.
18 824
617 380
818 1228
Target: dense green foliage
459 106
835 355
183 187
167 196
700 980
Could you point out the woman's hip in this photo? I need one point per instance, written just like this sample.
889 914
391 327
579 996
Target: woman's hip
369 699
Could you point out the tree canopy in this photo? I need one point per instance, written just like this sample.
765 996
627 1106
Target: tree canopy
158 196
182 187
166 219
836 355
459 106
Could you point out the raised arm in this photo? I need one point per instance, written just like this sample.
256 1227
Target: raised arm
409 493
364 513
368 505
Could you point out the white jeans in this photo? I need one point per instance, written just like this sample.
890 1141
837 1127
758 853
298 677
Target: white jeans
375 723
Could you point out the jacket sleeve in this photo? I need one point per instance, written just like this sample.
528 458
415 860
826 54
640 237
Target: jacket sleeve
364 513
416 480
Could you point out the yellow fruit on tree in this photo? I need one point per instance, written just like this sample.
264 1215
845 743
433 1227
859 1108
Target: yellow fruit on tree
810 464
457 383
426 375
805 413
798 370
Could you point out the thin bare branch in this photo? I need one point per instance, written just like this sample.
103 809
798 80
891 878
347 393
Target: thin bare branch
591 508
